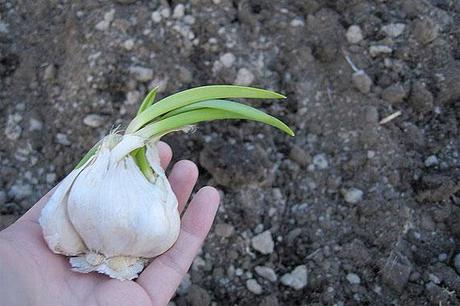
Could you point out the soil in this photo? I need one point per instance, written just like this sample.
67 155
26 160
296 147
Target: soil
369 209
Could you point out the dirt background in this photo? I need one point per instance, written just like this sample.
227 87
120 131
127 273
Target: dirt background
350 211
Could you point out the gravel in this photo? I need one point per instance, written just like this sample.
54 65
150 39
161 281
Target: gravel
354 34
253 286
93 120
244 77
141 74
267 273
352 195
353 279
263 242
297 279
362 81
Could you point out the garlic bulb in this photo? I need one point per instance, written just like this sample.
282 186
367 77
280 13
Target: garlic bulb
108 216
116 210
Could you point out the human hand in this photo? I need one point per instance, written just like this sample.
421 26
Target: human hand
30 274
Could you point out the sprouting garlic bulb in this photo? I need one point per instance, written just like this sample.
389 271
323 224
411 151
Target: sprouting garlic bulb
108 216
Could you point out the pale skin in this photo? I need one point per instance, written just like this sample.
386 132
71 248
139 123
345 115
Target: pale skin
30 274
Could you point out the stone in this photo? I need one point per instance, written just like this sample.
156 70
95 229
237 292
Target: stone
352 195
394 30
394 93
298 155
35 125
50 73
62 139
227 59
179 11
93 120
431 161
133 97
362 81
105 23
457 263
244 77
353 279
224 230
263 242
13 130
20 191
198 296
425 30
141 74
320 161
156 17
421 99
379 49
267 273
128 44
297 279
354 34
253 286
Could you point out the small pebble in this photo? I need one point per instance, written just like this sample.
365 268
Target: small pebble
263 242
253 286
179 11
62 139
380 49
354 34
425 30
266 272
394 93
141 74
93 120
128 44
352 195
156 17
224 230
297 279
353 278
431 161
244 77
393 29
362 81
227 59
320 161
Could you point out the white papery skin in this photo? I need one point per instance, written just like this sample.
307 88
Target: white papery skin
109 216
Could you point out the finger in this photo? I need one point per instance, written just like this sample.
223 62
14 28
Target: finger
162 277
182 179
33 213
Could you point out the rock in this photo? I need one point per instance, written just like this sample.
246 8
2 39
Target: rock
179 11
396 275
50 73
394 93
35 125
353 279
13 130
244 77
270 300
379 49
128 44
267 273
20 191
393 29
62 139
362 81
253 286
298 155
425 30
105 23
352 195
93 120
227 59
457 263
50 178
297 279
371 114
224 230
198 296
354 34
141 74
165 12
263 242
133 97
448 82
421 99
431 161
320 161
156 17
297 22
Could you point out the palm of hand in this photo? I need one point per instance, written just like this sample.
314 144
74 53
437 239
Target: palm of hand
32 275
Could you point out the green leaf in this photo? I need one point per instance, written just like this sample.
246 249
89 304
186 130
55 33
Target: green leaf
142 163
148 100
198 115
194 95
249 113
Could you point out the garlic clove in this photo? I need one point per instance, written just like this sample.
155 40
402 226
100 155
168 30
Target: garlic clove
58 231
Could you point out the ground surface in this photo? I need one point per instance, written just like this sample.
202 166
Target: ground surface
369 212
